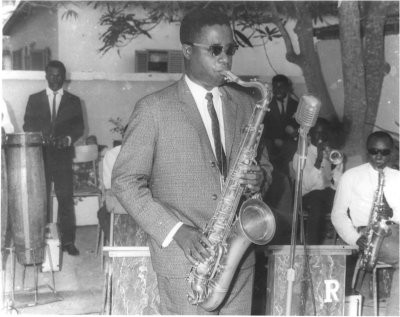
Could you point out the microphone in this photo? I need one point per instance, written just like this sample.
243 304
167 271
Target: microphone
307 112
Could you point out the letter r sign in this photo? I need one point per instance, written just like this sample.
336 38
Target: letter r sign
331 289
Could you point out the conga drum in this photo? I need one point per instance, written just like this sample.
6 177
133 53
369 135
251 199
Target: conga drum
27 198
4 194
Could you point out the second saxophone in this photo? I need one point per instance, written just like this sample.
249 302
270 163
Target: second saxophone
376 231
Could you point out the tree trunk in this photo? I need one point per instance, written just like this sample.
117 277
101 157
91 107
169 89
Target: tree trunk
353 77
374 59
308 59
310 62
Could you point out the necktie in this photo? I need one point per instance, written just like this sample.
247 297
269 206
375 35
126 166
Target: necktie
53 112
281 107
219 150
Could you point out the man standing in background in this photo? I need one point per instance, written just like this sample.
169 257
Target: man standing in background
57 114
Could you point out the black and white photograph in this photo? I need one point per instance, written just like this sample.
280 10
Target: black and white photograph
200 157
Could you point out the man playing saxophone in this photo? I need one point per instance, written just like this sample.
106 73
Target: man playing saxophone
358 195
178 148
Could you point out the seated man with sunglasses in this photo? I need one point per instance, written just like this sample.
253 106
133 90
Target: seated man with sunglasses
354 201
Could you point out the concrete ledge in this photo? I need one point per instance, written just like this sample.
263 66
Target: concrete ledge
40 75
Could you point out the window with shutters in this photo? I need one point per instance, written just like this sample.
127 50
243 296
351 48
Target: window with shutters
30 59
160 61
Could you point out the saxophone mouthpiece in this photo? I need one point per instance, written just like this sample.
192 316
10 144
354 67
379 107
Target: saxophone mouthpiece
229 76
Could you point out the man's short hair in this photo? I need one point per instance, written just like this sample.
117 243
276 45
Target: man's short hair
195 20
57 64
323 123
380 135
281 79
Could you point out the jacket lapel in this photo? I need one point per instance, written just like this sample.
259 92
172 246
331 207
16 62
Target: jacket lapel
61 107
46 106
232 130
189 107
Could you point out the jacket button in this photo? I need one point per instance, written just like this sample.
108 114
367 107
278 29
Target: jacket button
214 197
213 164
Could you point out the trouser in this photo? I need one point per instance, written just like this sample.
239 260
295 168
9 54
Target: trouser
318 204
389 253
173 296
62 177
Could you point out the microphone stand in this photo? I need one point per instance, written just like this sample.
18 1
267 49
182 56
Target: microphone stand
302 151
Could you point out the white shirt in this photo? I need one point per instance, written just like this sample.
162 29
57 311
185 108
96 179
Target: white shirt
199 95
356 192
50 95
108 163
317 179
5 118
282 103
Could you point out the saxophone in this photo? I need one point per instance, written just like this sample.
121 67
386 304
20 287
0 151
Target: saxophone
377 229
210 280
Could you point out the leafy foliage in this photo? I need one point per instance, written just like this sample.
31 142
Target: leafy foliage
118 127
251 20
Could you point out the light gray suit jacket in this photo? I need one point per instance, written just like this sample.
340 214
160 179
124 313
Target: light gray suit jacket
165 172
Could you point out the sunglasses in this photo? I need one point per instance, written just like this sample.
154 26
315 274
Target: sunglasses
384 152
216 49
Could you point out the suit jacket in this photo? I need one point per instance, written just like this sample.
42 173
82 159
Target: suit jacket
165 172
69 120
275 123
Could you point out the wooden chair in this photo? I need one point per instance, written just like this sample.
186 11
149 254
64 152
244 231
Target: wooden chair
85 178
379 265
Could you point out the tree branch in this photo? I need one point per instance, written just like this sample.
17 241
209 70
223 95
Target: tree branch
291 55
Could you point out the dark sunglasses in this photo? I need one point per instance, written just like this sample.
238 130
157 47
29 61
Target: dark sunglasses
216 49
384 152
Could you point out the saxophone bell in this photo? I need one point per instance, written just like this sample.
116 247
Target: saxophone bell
257 221
335 157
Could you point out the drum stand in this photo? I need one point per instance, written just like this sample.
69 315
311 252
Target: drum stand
35 289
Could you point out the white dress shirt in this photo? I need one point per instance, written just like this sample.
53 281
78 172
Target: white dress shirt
108 163
317 179
282 104
50 95
199 95
356 192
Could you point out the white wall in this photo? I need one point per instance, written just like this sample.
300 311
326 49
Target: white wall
40 28
79 43
388 112
102 96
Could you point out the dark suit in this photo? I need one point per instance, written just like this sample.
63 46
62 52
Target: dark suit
166 171
58 162
274 128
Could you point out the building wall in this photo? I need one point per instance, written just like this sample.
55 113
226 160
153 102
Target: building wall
103 96
78 44
40 28
388 111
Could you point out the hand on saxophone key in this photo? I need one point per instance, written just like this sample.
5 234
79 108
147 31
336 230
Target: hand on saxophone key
253 178
194 243
362 242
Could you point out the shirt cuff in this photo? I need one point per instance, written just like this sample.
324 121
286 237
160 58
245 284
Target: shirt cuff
171 234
